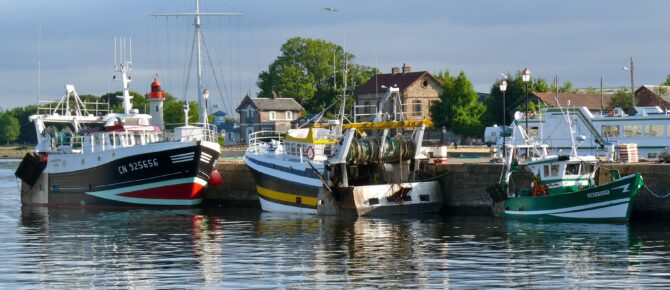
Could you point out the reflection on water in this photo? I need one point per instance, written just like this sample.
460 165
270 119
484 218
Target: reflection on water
249 249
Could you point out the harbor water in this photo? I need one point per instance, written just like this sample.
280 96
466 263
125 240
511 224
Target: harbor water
242 248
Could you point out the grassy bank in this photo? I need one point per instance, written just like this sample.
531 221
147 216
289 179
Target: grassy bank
14 152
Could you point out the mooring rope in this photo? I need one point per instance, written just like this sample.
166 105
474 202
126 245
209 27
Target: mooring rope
654 194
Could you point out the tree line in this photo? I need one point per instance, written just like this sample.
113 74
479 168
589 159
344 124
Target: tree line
16 128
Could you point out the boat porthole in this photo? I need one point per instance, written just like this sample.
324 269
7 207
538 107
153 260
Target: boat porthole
83 203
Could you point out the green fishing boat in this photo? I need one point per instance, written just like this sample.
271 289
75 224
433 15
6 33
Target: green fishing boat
536 185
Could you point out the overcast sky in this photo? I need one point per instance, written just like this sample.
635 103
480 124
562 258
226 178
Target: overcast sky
579 40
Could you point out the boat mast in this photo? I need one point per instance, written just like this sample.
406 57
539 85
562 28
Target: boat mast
202 111
124 66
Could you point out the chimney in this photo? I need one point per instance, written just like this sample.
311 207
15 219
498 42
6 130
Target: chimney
274 95
395 70
405 68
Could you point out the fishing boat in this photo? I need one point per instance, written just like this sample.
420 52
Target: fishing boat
537 185
88 156
338 169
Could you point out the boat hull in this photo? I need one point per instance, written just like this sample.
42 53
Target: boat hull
290 187
158 174
609 202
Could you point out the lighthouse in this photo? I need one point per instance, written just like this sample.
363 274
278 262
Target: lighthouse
156 104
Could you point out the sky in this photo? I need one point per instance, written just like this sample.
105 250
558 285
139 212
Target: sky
47 44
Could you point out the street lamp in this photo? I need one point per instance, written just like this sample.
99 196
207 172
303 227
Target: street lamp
503 88
205 94
632 83
525 76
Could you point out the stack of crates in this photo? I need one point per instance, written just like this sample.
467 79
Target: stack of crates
628 153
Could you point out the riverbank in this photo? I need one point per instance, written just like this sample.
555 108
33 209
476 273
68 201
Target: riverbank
14 152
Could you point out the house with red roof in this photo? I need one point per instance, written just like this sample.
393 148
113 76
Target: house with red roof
418 91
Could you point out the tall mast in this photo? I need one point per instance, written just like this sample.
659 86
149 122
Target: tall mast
198 39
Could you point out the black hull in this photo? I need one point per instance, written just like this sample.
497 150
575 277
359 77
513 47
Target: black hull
169 177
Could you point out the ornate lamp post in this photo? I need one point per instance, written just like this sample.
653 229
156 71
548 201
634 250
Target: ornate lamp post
503 88
205 95
525 76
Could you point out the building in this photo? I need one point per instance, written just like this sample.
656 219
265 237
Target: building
268 114
230 132
418 91
574 100
649 95
219 118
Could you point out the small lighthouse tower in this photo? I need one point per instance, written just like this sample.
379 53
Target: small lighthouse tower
156 104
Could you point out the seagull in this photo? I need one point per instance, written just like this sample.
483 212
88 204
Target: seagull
328 9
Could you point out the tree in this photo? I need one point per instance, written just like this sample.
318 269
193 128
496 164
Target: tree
621 99
9 128
458 108
515 97
116 104
667 81
304 71
27 128
173 112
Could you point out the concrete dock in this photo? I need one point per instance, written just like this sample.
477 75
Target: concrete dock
464 182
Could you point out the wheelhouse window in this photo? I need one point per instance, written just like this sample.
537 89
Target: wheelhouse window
554 169
653 130
632 130
610 131
587 168
572 169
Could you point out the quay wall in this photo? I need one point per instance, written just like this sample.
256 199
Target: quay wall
463 186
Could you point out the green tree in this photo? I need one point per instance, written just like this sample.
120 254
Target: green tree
621 99
116 104
515 97
458 108
173 113
27 128
304 71
9 128
667 81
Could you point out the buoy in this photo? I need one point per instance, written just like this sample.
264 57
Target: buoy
215 178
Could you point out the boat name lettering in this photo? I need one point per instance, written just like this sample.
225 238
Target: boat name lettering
137 165
597 193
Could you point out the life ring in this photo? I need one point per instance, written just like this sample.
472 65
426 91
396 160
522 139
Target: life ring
310 153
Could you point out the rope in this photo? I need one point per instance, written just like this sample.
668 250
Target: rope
654 194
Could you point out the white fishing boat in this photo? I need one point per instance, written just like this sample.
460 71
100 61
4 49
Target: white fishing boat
88 156
339 169
649 128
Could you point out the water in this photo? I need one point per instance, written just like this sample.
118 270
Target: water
199 249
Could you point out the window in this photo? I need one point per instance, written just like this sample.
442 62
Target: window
289 115
272 115
424 84
572 169
610 131
653 130
546 170
587 168
416 107
632 130
554 170
533 131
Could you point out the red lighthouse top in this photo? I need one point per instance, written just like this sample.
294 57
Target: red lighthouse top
156 92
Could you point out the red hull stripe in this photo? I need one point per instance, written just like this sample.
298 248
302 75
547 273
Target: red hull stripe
176 191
